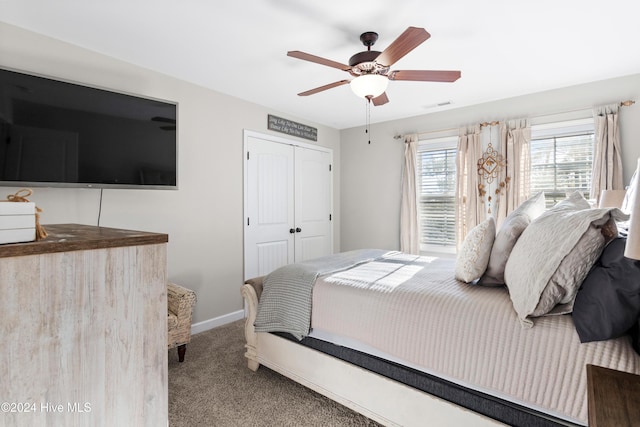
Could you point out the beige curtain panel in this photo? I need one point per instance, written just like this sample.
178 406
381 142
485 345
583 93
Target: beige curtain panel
409 224
515 139
607 160
469 210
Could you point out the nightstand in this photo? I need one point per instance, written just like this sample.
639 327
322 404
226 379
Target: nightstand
614 397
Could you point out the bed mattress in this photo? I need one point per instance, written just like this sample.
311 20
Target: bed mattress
410 310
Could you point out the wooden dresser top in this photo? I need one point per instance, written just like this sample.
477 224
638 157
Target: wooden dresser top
614 397
78 237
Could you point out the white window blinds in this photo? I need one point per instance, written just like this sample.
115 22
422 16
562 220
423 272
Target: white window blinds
437 188
561 159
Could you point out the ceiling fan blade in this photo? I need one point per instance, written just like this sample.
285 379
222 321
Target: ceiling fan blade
405 43
380 99
318 60
425 75
325 87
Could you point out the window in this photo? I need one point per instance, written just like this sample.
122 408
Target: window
561 159
561 162
437 188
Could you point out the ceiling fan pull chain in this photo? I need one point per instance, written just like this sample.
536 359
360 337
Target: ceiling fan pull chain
368 119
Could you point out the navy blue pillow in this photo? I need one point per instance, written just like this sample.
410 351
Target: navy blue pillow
608 302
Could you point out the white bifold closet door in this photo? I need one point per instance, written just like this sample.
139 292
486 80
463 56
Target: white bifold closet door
287 203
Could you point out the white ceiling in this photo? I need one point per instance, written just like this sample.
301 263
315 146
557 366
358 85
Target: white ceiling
504 48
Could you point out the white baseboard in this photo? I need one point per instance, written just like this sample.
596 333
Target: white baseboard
216 321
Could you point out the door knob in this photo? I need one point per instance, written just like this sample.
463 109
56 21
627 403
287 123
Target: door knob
298 230
291 230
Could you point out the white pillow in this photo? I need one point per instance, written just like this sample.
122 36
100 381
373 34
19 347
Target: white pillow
474 253
509 232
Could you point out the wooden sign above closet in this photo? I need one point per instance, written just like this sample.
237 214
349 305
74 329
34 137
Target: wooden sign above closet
289 127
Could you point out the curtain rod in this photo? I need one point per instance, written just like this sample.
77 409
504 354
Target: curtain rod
626 103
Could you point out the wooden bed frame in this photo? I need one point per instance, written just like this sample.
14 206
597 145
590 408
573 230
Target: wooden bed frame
379 398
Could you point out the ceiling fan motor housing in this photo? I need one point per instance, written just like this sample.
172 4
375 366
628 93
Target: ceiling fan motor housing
364 62
364 56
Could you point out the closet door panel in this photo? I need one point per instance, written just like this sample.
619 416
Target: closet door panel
270 207
312 203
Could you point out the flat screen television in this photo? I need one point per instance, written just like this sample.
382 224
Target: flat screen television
59 134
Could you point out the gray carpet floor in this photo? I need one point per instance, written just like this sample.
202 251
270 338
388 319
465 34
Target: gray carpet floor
213 387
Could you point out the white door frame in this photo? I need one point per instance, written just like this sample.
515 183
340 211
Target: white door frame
273 138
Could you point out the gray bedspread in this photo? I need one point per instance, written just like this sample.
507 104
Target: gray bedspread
412 311
285 304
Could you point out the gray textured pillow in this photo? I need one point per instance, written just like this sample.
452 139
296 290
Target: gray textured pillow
507 236
474 253
553 256
560 293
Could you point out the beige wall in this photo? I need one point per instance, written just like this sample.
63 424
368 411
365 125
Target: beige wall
371 173
204 217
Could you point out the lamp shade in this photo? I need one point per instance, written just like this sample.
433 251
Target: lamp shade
612 198
632 249
369 85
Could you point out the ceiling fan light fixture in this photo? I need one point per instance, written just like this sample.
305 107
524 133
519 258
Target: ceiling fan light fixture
369 85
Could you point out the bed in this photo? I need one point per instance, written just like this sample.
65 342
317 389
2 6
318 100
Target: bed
414 340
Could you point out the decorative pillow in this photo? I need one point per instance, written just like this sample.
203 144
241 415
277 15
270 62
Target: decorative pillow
609 230
574 202
581 257
474 253
541 249
608 302
559 294
509 232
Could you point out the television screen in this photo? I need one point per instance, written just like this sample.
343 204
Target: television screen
55 133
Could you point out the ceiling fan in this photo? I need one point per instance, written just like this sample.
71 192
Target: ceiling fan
371 69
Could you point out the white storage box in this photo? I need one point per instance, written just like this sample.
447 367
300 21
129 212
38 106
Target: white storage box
17 222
